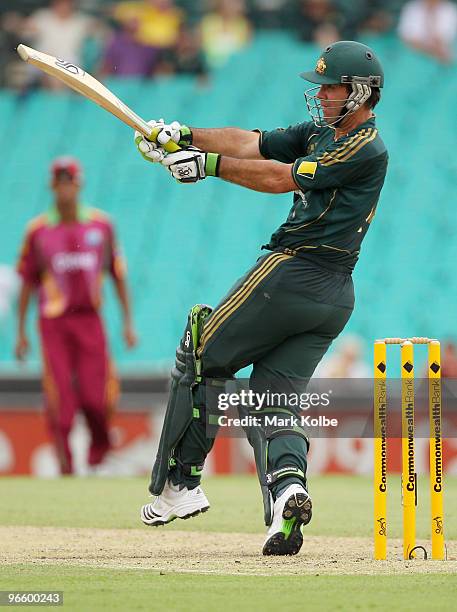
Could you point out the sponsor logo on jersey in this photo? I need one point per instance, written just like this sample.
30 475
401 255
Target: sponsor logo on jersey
73 262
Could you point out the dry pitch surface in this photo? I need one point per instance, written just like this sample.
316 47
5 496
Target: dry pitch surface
95 523
200 552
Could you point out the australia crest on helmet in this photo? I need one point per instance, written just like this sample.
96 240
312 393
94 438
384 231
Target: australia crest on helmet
321 66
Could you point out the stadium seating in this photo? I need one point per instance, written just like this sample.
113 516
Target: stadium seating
187 244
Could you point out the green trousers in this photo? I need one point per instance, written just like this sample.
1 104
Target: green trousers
281 317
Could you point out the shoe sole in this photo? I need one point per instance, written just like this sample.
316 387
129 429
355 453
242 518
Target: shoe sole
160 523
297 513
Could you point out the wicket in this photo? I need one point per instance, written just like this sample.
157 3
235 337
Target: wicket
409 476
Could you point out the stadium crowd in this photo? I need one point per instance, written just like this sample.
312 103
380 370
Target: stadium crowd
147 38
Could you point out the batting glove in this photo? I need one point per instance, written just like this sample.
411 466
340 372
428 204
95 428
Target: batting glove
192 165
150 151
175 132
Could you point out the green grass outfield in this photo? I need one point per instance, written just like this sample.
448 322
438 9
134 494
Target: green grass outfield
343 507
90 590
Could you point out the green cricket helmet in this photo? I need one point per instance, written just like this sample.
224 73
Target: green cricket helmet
348 63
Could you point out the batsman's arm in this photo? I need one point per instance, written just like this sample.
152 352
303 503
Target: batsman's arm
260 175
234 142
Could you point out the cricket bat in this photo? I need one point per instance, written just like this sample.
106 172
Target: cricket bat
89 87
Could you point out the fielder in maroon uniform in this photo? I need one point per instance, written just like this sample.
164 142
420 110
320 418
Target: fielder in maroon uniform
64 255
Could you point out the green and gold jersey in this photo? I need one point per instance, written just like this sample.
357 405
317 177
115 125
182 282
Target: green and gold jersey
338 186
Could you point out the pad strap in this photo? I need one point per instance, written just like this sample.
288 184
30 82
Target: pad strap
187 469
284 472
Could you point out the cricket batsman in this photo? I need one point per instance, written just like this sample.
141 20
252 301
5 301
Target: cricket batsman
63 257
284 313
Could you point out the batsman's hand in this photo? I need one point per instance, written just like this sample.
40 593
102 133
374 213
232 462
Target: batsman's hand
149 150
191 165
172 132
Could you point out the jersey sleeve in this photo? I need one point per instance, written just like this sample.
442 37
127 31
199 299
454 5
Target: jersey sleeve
115 263
341 163
27 265
286 144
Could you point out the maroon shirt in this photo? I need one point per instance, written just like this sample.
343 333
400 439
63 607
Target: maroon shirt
66 261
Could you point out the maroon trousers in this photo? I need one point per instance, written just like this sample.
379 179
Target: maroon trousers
77 375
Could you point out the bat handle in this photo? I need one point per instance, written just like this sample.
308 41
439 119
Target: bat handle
170 146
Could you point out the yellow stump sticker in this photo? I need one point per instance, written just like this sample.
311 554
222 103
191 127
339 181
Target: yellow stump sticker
436 450
380 452
408 470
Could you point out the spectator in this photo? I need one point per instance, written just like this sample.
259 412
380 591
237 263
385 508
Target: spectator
430 26
378 17
194 11
225 31
125 56
319 22
158 21
273 14
346 361
12 70
187 56
362 16
60 30
449 361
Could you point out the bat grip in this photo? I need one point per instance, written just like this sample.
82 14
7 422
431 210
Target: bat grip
170 146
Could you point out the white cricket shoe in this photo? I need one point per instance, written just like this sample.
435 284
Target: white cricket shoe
291 511
174 503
